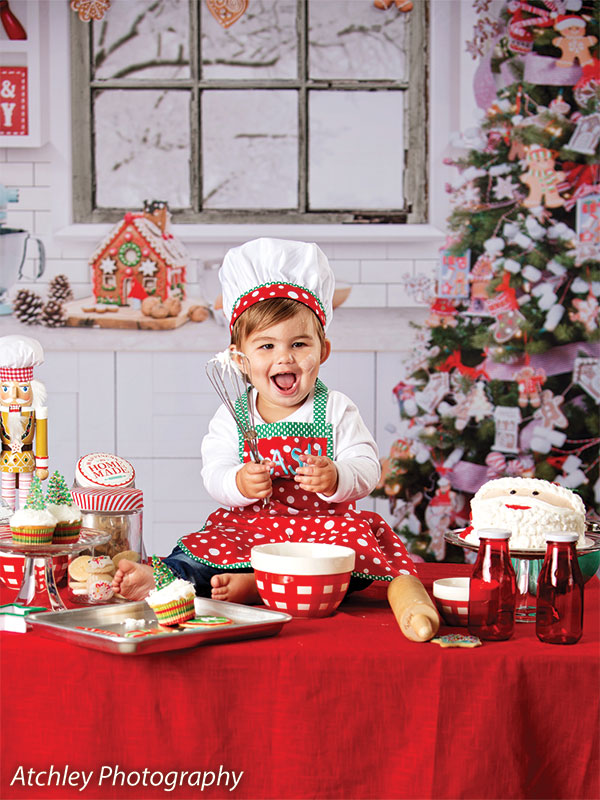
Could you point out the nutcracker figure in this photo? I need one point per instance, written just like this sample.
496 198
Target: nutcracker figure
23 418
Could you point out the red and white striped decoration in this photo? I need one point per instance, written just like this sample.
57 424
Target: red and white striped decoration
16 374
108 499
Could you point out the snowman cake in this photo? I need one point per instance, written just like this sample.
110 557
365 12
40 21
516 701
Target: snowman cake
529 508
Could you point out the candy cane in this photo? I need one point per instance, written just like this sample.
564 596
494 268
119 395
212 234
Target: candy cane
544 20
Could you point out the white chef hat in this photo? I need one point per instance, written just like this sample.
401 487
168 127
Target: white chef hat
267 268
18 356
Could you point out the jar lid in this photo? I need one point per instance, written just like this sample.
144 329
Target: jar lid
562 536
493 533
107 499
104 470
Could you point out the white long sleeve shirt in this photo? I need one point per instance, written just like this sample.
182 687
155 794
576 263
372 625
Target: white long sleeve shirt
354 452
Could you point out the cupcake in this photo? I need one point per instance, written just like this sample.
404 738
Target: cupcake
60 504
173 599
33 524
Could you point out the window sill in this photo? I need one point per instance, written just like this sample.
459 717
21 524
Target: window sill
236 234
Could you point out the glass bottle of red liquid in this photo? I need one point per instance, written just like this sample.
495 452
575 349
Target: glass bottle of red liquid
559 613
492 588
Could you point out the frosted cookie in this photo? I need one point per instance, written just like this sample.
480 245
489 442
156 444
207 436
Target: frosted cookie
529 508
99 564
206 622
99 587
457 640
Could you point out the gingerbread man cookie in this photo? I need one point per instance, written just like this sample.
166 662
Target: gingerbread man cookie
573 44
530 381
550 410
541 178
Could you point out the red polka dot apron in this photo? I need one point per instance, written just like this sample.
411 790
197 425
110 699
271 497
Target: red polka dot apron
293 514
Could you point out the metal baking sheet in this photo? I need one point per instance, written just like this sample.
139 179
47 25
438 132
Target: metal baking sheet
103 627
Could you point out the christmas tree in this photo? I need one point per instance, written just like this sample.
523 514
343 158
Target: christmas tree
58 492
35 497
504 376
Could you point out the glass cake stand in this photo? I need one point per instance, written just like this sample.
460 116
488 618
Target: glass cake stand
527 564
88 539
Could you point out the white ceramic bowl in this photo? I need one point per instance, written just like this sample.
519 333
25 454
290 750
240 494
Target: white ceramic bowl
451 597
305 579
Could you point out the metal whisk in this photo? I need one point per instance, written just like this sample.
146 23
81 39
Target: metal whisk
230 374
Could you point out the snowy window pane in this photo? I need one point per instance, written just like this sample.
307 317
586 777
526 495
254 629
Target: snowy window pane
138 157
356 41
356 150
138 39
250 149
262 44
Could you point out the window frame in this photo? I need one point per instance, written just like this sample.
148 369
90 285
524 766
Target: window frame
415 176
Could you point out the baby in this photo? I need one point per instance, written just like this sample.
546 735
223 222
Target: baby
318 458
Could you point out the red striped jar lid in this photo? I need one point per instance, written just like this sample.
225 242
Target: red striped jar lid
108 499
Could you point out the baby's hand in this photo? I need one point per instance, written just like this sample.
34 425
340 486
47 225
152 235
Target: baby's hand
318 474
253 480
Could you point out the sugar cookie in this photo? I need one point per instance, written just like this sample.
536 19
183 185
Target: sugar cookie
130 555
457 640
78 587
77 568
206 622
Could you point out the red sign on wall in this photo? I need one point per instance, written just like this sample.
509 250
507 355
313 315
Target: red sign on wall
13 101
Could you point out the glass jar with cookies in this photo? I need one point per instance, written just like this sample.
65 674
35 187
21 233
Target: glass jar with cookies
115 509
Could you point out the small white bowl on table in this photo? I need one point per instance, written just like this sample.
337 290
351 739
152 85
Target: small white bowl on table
451 597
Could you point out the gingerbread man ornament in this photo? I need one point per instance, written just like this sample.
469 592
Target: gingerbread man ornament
541 178
573 44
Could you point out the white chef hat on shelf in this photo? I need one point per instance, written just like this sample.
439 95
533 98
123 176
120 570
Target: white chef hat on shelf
267 268
18 356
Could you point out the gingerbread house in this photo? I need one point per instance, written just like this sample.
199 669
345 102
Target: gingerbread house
139 258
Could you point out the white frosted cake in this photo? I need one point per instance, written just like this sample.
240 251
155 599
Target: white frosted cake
529 508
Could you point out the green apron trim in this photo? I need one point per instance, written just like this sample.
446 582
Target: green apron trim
240 564
317 428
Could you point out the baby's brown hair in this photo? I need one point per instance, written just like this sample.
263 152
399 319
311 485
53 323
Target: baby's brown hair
271 312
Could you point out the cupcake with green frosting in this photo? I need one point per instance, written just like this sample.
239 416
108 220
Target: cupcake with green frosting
173 599
60 504
33 524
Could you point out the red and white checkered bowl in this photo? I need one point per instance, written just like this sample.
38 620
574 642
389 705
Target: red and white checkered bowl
451 597
12 568
304 579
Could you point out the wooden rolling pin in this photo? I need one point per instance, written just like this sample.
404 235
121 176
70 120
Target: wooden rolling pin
414 611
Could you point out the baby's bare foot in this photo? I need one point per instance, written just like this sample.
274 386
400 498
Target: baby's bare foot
236 587
133 581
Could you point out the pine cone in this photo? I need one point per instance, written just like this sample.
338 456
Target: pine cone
60 289
53 315
27 307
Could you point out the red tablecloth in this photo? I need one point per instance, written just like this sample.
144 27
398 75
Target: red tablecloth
342 707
